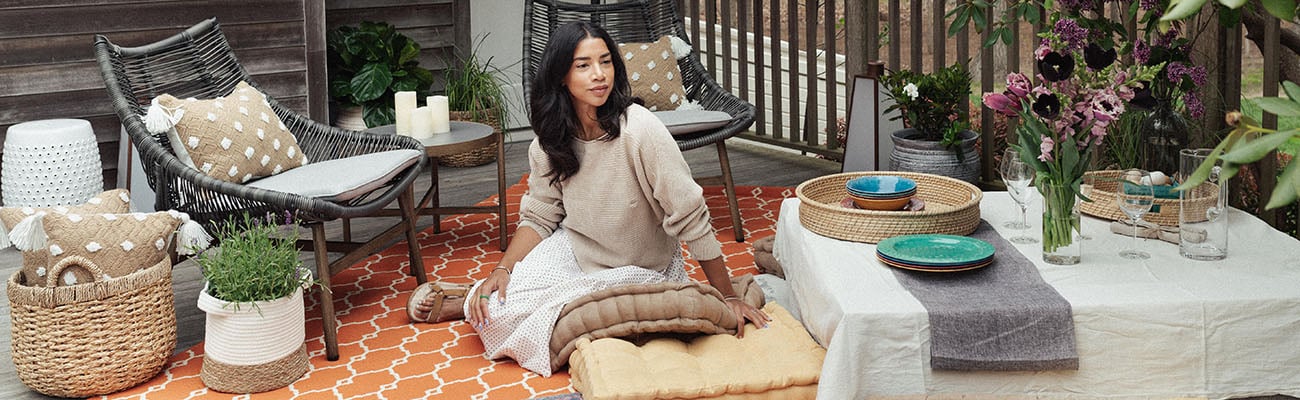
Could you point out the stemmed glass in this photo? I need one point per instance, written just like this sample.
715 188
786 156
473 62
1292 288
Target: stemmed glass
1017 175
1135 197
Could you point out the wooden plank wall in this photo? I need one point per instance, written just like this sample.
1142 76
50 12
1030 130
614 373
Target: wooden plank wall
48 70
439 26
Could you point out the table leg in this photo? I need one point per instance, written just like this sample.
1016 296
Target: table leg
433 191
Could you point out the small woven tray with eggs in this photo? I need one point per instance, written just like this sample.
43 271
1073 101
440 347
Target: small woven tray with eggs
1164 210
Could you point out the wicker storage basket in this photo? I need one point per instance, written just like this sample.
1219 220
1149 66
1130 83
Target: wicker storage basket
481 155
951 207
1163 211
94 338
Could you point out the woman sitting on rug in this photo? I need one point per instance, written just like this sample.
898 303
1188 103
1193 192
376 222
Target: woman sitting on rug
610 200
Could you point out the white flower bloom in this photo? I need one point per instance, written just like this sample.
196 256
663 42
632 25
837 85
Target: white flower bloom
911 91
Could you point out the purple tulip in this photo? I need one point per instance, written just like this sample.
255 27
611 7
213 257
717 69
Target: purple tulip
1002 103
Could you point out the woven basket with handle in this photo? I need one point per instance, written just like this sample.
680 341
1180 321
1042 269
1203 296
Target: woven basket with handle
481 155
93 338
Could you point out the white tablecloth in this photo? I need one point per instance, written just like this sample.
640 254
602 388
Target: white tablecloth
1163 327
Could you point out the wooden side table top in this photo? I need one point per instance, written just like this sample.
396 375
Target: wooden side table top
464 136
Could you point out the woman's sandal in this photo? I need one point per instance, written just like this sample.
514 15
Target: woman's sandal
441 291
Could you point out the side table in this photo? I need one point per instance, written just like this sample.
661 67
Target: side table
464 136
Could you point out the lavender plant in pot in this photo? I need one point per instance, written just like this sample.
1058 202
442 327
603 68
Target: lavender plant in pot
252 294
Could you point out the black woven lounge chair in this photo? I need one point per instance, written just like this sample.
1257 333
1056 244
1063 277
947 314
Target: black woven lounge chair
647 21
199 63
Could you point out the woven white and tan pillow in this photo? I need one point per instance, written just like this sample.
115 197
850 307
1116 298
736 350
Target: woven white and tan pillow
113 201
653 73
118 243
236 138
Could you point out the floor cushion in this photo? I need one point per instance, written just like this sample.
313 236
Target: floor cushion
626 311
342 179
778 362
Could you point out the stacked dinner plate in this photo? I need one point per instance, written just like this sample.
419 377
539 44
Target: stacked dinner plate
935 253
881 192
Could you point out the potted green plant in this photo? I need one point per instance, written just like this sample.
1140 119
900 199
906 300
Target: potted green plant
368 64
254 338
938 138
476 91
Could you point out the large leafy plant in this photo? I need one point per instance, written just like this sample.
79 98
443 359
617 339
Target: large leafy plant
371 62
930 103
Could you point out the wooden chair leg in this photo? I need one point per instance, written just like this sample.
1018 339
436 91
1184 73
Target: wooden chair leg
736 226
406 201
329 322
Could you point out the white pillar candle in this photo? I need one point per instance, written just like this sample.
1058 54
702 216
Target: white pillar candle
441 115
421 123
403 105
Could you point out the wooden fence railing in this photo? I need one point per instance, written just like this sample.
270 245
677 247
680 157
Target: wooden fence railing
793 58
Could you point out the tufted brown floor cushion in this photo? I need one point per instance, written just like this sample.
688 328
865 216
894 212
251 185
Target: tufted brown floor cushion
625 311
778 362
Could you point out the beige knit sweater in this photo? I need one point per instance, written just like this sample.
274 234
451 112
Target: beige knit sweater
632 202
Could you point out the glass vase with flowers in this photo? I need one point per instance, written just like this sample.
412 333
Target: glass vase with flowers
1164 132
1080 90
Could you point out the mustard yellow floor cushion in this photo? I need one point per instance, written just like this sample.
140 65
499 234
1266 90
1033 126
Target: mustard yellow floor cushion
778 362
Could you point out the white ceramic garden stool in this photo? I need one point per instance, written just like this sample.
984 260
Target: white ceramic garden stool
52 162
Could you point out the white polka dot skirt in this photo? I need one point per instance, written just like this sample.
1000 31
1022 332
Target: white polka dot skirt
541 285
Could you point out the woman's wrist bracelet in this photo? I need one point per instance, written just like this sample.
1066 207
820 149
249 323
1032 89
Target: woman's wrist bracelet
730 298
503 268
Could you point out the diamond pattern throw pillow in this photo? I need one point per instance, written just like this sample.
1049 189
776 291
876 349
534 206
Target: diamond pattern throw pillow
36 261
236 138
653 73
118 243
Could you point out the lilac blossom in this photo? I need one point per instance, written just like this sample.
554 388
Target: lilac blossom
1194 106
1074 36
1141 52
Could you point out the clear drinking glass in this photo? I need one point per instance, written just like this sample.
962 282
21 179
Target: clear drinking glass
1135 197
1017 175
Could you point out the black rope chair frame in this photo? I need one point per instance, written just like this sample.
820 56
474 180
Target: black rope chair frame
647 21
199 62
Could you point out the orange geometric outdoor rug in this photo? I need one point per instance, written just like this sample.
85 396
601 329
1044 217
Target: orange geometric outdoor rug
383 356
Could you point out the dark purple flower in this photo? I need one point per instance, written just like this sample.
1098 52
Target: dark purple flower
1142 97
1141 52
1047 106
1071 33
1056 67
1194 106
1097 58
1150 5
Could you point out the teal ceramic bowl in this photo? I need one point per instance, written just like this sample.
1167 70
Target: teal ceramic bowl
880 185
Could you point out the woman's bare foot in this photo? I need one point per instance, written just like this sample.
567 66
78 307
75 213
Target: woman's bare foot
437 302
452 309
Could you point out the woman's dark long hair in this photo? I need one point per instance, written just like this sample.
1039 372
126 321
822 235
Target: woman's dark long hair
553 116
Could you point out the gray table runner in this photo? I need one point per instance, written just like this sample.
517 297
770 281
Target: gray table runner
1002 317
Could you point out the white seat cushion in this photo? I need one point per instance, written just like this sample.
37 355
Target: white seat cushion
681 122
341 179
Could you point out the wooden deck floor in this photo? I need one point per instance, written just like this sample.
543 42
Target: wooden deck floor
751 164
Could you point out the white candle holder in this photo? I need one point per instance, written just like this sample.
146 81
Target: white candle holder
441 114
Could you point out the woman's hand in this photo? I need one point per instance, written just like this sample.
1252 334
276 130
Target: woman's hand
478 300
743 312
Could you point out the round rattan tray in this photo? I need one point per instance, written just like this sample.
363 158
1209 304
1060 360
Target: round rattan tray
1163 211
951 207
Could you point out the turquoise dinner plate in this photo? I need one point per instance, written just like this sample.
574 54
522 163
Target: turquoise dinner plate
935 249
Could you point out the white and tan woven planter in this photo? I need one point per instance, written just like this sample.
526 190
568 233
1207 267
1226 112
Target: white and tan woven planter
251 349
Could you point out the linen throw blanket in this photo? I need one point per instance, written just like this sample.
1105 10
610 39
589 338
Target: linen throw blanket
1002 317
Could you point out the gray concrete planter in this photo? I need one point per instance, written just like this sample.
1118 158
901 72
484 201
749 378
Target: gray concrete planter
913 154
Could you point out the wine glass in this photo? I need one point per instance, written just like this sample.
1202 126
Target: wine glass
1135 197
1017 175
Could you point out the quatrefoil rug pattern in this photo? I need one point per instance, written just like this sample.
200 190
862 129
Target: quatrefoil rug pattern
236 138
653 73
